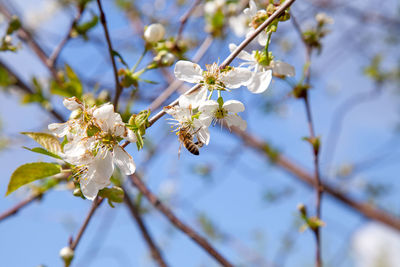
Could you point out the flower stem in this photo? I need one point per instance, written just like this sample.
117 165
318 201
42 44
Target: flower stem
139 60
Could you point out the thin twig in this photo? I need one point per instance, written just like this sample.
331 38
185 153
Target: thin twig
57 51
96 203
365 209
339 115
233 55
118 87
185 18
319 189
14 210
177 83
137 182
155 252
24 88
26 36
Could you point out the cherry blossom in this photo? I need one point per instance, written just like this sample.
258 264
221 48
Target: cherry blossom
225 113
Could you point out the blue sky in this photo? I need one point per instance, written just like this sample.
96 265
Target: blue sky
232 197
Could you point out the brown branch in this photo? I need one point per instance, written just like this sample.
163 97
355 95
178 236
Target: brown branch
301 174
233 55
24 88
185 18
155 252
118 87
57 51
14 210
96 203
317 176
201 241
26 36
177 83
340 113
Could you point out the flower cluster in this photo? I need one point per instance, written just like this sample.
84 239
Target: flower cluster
197 111
92 136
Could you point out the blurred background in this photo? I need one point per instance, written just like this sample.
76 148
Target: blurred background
240 199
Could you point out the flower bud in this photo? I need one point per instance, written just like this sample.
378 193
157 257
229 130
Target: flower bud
154 33
168 59
302 208
323 18
67 254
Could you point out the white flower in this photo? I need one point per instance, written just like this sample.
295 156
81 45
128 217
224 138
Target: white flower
323 18
154 33
74 126
226 113
184 116
376 245
254 18
93 145
239 24
213 78
262 75
211 7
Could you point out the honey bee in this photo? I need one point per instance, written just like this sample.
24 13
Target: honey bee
186 138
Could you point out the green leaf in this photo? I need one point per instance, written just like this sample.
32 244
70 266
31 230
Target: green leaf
5 78
48 141
14 25
42 151
30 172
69 87
118 55
115 194
85 27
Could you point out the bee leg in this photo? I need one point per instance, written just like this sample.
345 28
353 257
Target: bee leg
199 144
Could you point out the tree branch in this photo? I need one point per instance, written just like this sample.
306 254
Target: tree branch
118 87
74 242
24 88
137 182
155 252
14 210
301 174
57 51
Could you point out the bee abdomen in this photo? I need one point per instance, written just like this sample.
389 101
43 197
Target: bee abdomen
191 147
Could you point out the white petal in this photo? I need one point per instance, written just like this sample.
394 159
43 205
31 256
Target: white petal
89 189
204 135
210 7
242 55
193 100
233 106
239 25
124 161
235 120
236 77
260 82
251 10
98 175
72 103
262 38
130 136
106 117
205 120
188 71
59 129
209 107
283 68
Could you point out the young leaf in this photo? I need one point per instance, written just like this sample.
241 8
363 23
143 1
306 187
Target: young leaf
43 151
48 141
31 172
